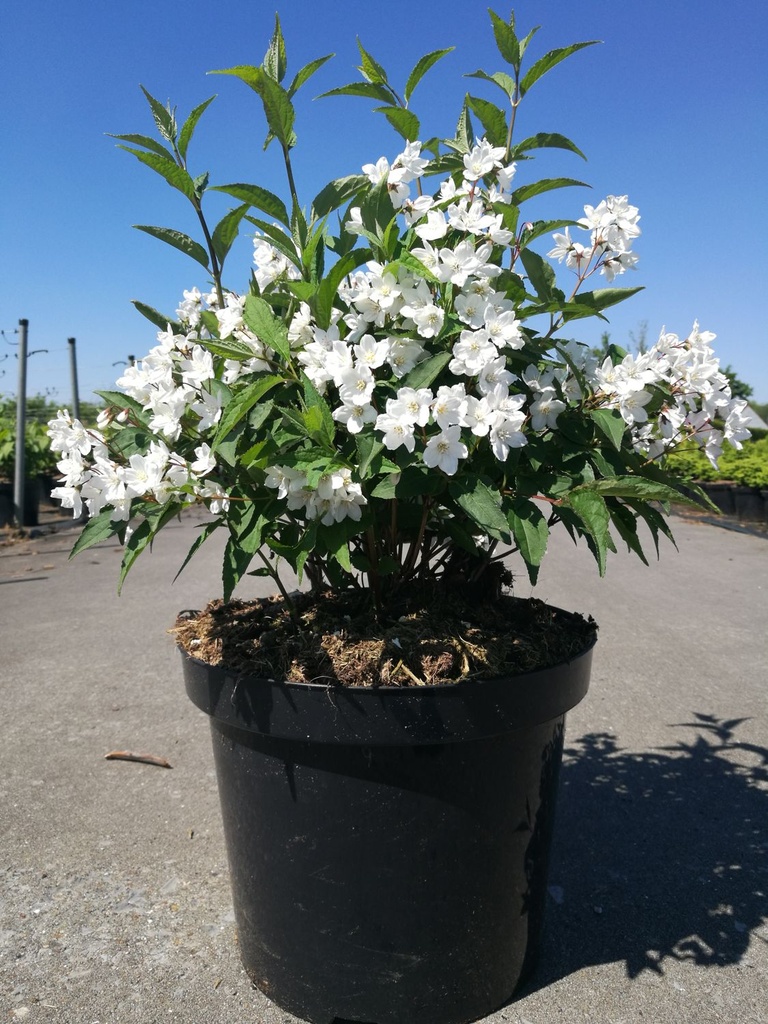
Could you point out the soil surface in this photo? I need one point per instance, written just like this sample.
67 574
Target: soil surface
334 638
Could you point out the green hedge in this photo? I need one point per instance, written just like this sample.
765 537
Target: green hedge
748 467
38 457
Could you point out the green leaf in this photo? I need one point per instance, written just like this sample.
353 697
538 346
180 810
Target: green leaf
143 535
131 441
505 82
531 532
492 118
258 197
422 67
546 140
422 375
179 241
275 61
176 176
278 238
369 90
462 140
506 40
410 262
541 274
639 488
592 303
226 231
147 141
481 504
99 528
188 128
548 61
229 348
329 286
611 424
118 400
241 404
545 185
267 327
205 532
163 117
625 521
338 192
592 511
524 42
370 69
368 448
278 108
403 121
324 427
153 315
306 73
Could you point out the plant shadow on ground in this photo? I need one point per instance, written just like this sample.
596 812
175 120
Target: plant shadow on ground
660 856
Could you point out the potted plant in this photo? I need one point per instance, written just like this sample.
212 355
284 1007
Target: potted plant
39 462
391 409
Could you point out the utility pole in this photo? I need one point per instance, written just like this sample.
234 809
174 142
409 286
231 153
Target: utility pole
21 416
73 373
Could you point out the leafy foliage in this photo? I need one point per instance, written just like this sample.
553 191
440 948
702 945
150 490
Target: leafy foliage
338 417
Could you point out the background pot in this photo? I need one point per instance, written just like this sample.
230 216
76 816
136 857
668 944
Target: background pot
388 848
749 504
720 492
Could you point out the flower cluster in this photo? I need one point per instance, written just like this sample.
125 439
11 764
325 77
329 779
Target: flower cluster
419 396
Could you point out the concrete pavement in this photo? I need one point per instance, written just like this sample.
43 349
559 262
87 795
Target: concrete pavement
114 896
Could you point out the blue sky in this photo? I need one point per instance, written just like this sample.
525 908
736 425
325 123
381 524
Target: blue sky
669 110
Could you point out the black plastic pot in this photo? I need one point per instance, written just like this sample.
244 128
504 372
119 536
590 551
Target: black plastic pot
749 504
388 848
31 503
720 492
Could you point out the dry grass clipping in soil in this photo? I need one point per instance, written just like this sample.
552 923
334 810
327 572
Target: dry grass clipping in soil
335 639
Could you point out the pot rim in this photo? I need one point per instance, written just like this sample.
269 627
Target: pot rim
329 712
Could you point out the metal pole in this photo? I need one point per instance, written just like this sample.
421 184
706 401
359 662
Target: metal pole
73 373
21 417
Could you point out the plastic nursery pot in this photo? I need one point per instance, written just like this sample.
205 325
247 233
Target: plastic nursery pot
720 492
31 503
388 847
749 504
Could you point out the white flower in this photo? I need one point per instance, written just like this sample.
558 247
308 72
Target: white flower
397 431
444 450
205 461
411 406
411 162
370 352
198 368
471 353
450 406
482 159
142 475
494 372
428 320
632 406
404 354
505 435
214 495
230 318
545 409
436 226
208 408
354 416
356 384
503 327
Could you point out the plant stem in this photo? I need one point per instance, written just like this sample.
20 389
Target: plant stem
289 172
281 587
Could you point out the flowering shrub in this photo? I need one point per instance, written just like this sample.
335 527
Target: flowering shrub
404 398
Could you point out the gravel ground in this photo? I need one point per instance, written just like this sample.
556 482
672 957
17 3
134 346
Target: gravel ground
114 893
